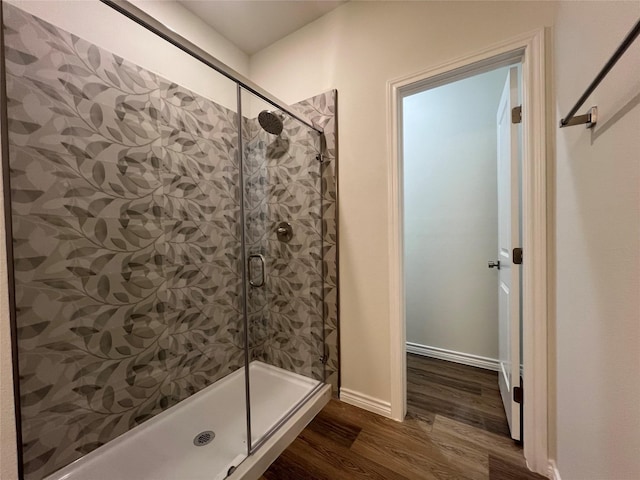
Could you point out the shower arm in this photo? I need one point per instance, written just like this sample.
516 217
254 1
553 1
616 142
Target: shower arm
145 20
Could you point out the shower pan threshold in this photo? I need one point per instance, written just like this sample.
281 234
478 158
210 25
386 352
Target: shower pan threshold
163 448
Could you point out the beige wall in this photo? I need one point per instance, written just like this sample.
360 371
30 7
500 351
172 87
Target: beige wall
357 48
593 206
598 247
191 27
103 26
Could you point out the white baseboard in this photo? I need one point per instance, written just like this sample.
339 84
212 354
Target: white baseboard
366 402
453 356
553 474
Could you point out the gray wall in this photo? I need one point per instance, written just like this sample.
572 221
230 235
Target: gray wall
451 215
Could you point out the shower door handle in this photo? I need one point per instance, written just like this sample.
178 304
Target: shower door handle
250 262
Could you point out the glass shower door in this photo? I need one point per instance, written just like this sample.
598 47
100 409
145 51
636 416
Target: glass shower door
125 210
283 251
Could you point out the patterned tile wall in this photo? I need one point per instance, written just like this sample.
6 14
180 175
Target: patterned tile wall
125 206
283 184
322 111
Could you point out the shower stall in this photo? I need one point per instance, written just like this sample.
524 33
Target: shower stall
167 261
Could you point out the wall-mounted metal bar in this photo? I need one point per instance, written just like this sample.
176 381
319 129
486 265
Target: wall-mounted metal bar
590 118
153 25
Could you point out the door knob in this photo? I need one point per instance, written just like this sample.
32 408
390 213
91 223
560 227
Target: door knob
495 264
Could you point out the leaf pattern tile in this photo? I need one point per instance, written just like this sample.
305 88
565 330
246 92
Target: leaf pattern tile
282 183
322 111
127 241
123 307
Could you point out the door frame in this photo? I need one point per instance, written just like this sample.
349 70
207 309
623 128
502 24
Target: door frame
529 50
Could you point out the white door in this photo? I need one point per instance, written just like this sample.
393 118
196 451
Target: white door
508 239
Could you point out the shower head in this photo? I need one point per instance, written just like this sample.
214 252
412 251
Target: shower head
271 122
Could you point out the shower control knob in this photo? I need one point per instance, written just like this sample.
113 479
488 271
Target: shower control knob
284 231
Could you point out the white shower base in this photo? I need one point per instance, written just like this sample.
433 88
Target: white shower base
162 448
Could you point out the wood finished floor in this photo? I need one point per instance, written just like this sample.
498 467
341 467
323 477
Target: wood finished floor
455 429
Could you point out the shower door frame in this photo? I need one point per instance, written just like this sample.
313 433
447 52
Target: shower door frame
251 447
150 23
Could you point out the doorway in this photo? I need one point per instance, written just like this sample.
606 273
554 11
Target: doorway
461 216
528 50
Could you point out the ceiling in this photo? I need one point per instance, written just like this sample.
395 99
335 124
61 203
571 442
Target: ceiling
254 25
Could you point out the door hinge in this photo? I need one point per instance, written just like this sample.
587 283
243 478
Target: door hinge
517 394
516 114
517 256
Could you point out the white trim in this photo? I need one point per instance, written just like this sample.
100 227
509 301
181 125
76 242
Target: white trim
553 473
453 356
395 210
534 294
372 404
505 378
530 50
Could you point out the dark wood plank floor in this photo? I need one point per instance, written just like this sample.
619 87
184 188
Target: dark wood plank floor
455 429
467 394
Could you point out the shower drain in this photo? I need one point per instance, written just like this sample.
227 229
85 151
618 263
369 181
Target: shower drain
203 438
